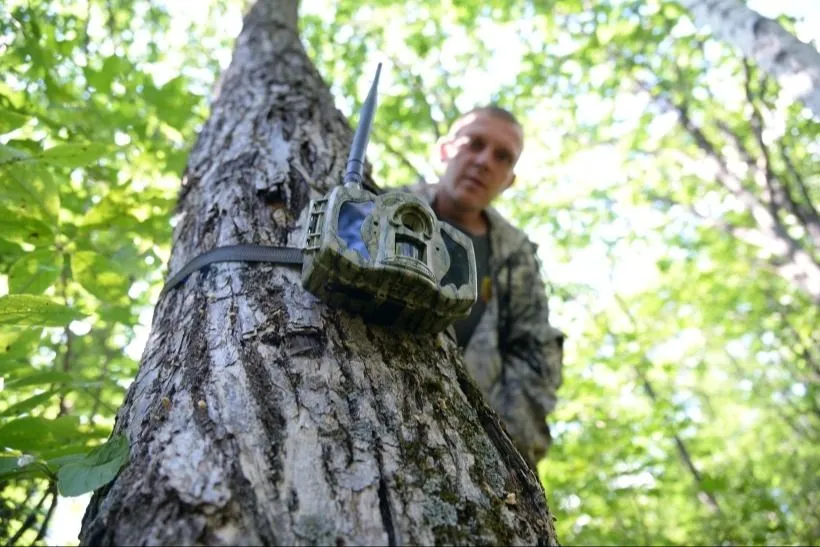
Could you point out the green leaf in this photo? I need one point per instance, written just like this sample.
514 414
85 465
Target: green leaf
74 155
10 120
714 483
27 404
47 377
96 469
9 154
9 252
35 272
27 309
99 275
101 79
8 463
63 460
31 189
10 468
22 229
75 446
28 145
11 364
18 343
31 433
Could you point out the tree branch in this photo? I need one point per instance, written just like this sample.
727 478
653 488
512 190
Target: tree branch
792 62
811 211
800 269
69 342
742 150
683 452
805 347
779 189
792 261
782 194
401 157
794 426
722 172
86 38
52 488
770 221
777 197
30 521
97 396
418 85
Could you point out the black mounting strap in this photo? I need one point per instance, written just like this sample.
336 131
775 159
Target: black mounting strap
235 253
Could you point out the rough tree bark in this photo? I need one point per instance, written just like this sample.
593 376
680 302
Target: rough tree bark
260 416
794 64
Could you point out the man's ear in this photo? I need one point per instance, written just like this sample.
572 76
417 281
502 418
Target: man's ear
442 145
512 179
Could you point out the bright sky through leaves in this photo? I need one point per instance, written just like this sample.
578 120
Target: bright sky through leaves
680 332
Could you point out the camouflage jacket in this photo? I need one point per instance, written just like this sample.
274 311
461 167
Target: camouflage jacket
515 356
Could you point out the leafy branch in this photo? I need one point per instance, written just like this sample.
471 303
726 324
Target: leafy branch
704 495
789 259
31 520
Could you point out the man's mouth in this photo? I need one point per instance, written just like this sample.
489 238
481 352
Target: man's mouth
474 180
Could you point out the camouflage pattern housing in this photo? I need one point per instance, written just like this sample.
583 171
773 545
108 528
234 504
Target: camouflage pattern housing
388 259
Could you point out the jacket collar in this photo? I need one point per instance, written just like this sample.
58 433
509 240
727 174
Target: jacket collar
505 239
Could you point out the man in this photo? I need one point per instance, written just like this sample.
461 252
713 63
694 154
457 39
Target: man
510 349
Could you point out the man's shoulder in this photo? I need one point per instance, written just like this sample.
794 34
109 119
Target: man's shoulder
507 239
504 229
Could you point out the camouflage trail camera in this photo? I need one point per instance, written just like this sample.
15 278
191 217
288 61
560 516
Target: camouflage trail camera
385 257
388 259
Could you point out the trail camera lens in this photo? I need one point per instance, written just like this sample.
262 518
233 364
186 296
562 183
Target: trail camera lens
351 217
406 246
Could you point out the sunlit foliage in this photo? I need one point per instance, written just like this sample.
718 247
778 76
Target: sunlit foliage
96 117
671 186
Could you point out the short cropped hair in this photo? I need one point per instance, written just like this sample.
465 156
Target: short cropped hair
497 111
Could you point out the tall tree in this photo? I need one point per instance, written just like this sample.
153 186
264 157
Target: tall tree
260 415
720 326
794 64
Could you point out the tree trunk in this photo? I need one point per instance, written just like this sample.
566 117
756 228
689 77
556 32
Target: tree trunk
259 415
794 64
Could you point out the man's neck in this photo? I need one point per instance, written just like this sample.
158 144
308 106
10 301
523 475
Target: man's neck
472 222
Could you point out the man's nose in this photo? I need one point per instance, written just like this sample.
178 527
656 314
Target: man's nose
482 159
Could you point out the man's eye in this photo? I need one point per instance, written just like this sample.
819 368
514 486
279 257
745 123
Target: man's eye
503 156
476 144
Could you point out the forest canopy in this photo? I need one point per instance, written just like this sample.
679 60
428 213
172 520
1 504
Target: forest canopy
670 183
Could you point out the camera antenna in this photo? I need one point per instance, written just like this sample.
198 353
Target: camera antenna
354 172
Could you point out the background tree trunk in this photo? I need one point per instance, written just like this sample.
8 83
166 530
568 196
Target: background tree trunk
795 65
259 416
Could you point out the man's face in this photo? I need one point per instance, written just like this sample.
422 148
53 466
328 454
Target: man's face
480 154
